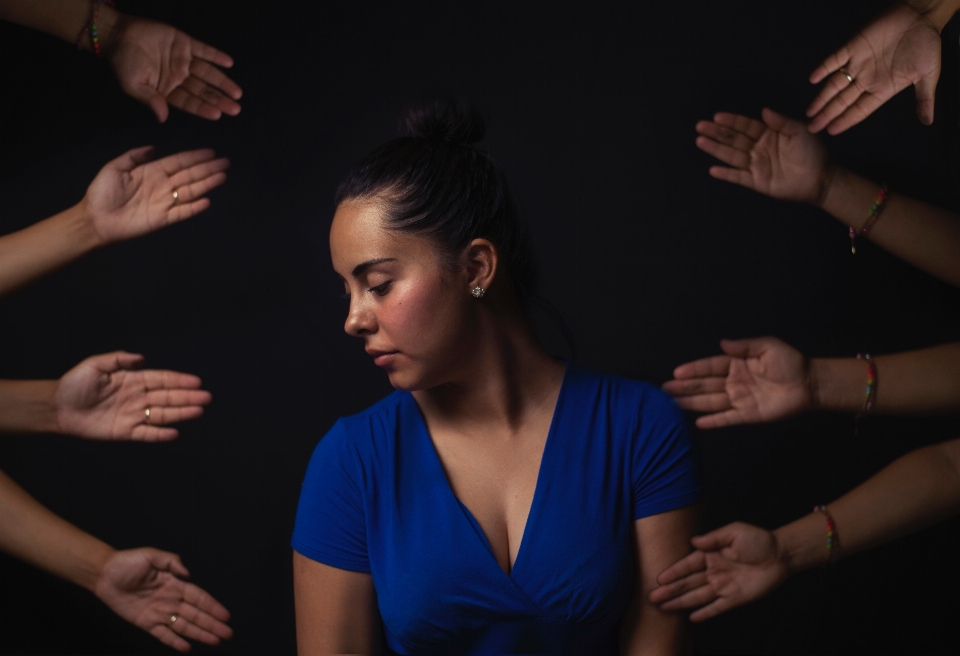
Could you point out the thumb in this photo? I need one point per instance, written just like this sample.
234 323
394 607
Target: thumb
132 159
715 540
780 123
154 100
167 562
744 348
110 362
926 89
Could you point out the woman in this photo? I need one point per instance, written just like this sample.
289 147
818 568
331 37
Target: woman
414 513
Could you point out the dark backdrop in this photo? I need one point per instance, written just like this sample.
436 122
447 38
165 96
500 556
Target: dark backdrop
648 259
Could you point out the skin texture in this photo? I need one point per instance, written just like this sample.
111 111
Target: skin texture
155 63
130 197
145 586
898 49
487 393
740 563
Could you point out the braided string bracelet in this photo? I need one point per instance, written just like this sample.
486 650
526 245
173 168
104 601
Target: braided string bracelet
833 538
92 27
871 390
872 217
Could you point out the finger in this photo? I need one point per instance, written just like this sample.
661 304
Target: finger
217 79
161 416
149 433
167 636
748 126
211 95
726 154
731 417
718 365
831 90
188 629
183 99
693 386
689 564
716 539
736 176
693 599
156 102
132 158
211 54
173 164
203 600
199 172
188 193
721 605
834 62
839 104
725 136
163 379
166 561
864 106
705 402
109 363
207 622
780 123
670 591
177 398
745 348
926 89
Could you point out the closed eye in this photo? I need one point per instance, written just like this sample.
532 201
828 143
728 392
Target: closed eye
382 289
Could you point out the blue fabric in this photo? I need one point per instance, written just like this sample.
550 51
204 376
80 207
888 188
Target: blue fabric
376 499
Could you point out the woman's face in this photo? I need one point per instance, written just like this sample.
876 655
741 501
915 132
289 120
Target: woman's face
412 312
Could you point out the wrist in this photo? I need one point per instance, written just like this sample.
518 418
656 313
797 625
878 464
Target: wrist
799 544
84 226
107 20
93 565
937 12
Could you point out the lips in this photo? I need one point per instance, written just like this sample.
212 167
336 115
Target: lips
381 358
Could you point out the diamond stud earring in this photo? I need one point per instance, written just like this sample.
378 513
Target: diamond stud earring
478 291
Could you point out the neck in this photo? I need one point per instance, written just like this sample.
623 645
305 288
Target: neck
506 379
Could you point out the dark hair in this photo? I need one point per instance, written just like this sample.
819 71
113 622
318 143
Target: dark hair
435 182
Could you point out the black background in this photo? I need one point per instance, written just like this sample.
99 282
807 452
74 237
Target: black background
649 260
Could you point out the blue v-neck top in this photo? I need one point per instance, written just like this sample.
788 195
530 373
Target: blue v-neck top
376 499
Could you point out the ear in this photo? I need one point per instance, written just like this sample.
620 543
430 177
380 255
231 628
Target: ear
481 260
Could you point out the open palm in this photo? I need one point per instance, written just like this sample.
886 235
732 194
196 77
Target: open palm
758 380
777 157
106 397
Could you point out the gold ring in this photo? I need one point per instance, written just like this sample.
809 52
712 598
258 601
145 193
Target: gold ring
176 194
842 70
173 618
146 413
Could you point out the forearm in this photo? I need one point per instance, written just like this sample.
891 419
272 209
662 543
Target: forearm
64 19
921 234
32 533
915 491
45 246
914 382
938 12
28 406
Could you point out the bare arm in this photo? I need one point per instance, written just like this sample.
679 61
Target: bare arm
938 12
64 19
336 610
739 563
926 236
646 629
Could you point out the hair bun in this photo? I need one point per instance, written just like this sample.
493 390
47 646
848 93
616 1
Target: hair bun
444 120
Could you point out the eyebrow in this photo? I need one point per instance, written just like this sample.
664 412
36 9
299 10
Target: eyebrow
360 268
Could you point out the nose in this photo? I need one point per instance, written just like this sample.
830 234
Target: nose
360 320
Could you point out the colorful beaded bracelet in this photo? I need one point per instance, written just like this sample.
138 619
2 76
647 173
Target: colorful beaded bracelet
872 217
92 27
871 383
833 538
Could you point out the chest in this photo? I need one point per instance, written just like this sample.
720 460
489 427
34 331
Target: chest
495 477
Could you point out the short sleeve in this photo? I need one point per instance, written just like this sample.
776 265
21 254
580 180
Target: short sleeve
331 523
664 468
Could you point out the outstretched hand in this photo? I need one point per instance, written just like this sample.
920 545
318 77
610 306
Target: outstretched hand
132 195
777 157
758 380
732 566
106 397
158 64
898 49
145 587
